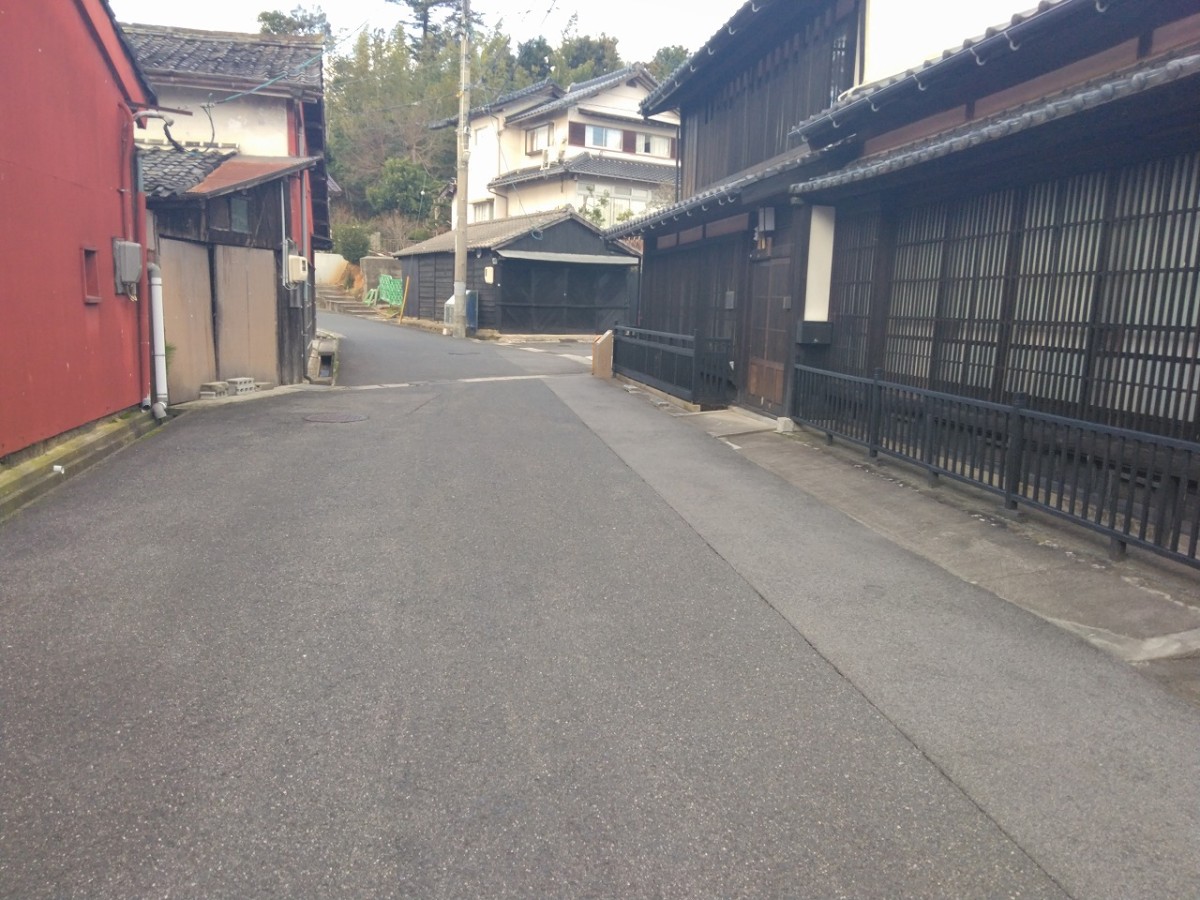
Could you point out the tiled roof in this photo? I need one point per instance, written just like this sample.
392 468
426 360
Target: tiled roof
1146 77
497 233
169 173
998 41
291 63
744 18
577 92
502 101
596 167
716 195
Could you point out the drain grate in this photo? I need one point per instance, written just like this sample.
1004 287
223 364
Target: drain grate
336 418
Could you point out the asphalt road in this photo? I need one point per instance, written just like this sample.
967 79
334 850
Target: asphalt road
507 631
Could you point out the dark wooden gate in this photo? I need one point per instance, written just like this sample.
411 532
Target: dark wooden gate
767 336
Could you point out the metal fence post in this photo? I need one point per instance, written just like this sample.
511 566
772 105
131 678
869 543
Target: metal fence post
928 451
873 413
1014 453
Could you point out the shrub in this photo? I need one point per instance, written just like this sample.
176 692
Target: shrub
352 241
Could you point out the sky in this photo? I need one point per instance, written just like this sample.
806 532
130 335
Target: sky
909 30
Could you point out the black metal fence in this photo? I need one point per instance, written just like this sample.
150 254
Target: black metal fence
1134 487
691 367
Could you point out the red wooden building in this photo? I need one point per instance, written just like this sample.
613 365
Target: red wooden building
75 340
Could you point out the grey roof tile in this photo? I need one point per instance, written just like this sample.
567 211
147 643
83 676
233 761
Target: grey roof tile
1074 101
595 166
719 194
584 89
502 101
290 62
999 39
169 173
486 235
744 20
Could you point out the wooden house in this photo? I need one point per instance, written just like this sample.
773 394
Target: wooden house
1021 217
233 305
255 94
237 186
728 261
545 273
72 235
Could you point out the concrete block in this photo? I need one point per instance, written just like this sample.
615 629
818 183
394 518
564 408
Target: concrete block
241 385
216 388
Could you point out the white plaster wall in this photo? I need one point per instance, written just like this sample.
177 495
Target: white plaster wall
330 267
497 148
624 100
256 125
897 40
484 164
540 196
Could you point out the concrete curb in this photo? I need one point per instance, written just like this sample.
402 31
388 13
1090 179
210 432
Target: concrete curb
25 482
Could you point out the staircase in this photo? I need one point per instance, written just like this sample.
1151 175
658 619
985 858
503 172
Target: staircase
333 298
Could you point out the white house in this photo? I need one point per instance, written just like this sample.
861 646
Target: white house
545 147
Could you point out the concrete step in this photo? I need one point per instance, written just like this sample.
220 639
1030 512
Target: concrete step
349 307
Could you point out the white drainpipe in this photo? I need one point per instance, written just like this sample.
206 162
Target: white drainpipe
160 342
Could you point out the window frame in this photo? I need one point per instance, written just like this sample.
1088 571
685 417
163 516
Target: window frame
532 147
644 139
89 267
590 130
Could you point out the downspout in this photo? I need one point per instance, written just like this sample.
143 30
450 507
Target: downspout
135 230
160 343
284 274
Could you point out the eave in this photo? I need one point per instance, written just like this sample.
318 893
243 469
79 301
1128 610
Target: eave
1050 36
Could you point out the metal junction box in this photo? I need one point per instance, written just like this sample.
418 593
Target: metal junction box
814 333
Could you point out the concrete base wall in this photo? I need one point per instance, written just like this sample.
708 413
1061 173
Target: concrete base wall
374 266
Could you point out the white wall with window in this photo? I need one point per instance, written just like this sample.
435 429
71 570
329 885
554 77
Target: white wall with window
616 202
602 137
653 145
539 138
483 211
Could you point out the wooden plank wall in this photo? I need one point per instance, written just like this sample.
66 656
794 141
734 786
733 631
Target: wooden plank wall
746 118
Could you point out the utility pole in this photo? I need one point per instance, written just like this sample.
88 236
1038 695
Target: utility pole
460 193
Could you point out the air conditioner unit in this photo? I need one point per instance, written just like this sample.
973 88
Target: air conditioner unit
297 269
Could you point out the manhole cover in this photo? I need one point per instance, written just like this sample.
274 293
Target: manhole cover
335 418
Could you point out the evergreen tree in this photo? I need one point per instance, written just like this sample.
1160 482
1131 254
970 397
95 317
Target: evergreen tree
298 21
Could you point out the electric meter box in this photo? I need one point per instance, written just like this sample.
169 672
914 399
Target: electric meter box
297 269
127 264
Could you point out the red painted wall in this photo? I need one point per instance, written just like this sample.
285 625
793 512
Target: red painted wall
66 182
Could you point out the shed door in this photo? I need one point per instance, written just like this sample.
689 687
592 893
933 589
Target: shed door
247 327
187 317
767 336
